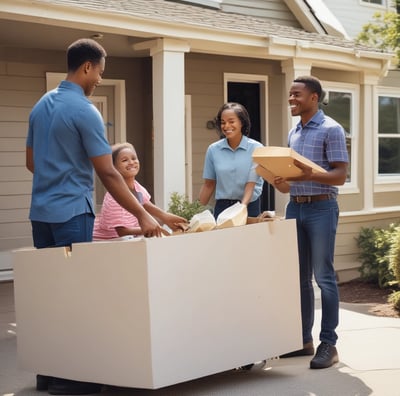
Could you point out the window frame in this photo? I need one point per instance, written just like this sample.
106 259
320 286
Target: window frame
383 183
350 187
367 3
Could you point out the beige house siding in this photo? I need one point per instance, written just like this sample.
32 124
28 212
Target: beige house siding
386 199
392 79
22 84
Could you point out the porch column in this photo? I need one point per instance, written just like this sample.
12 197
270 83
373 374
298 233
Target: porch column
367 134
292 68
168 57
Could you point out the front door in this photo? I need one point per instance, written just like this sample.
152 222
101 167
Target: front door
249 95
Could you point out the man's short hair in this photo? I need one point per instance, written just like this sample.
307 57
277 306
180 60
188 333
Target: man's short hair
84 50
312 84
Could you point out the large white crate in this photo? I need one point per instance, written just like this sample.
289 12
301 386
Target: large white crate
155 312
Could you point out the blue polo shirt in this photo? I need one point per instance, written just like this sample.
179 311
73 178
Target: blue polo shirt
232 169
322 140
65 131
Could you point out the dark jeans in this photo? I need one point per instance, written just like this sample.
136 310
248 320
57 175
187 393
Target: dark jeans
77 229
253 208
316 233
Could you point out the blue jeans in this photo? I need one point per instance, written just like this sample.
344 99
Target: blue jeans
316 233
77 229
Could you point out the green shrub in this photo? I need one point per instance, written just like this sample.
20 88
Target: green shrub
394 299
375 244
395 255
181 206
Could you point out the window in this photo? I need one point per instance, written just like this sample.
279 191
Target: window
378 2
342 105
389 135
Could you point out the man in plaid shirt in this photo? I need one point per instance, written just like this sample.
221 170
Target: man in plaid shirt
313 204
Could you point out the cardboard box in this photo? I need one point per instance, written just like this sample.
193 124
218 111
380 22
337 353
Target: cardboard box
148 313
279 161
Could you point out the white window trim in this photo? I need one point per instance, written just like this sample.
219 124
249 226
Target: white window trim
383 183
352 186
372 5
253 78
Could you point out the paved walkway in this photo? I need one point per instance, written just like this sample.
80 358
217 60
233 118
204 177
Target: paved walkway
369 351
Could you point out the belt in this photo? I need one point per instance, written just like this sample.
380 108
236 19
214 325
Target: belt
311 198
228 201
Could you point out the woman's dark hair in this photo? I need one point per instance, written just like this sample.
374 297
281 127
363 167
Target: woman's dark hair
84 50
240 111
117 148
313 85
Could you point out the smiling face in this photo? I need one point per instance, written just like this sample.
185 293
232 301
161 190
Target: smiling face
93 76
127 163
231 126
302 101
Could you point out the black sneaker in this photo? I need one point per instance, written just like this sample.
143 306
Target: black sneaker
42 382
61 386
325 357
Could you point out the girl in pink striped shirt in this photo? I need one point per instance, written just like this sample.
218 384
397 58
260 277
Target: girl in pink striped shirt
114 221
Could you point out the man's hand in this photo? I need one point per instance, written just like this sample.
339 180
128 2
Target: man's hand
173 221
281 183
305 176
149 225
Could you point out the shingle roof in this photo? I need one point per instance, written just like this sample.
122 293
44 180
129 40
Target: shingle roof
191 15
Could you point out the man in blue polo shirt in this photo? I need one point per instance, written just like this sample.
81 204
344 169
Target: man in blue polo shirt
65 142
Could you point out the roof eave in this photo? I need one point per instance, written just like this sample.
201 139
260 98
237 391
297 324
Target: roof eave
200 38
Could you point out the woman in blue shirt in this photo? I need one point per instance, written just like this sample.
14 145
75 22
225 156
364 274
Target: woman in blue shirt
229 169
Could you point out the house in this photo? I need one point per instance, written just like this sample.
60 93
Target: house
171 64
344 11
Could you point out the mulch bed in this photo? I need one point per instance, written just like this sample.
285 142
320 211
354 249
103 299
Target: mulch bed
361 292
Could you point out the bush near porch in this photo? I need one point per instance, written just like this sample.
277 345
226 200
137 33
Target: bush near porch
180 205
380 258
